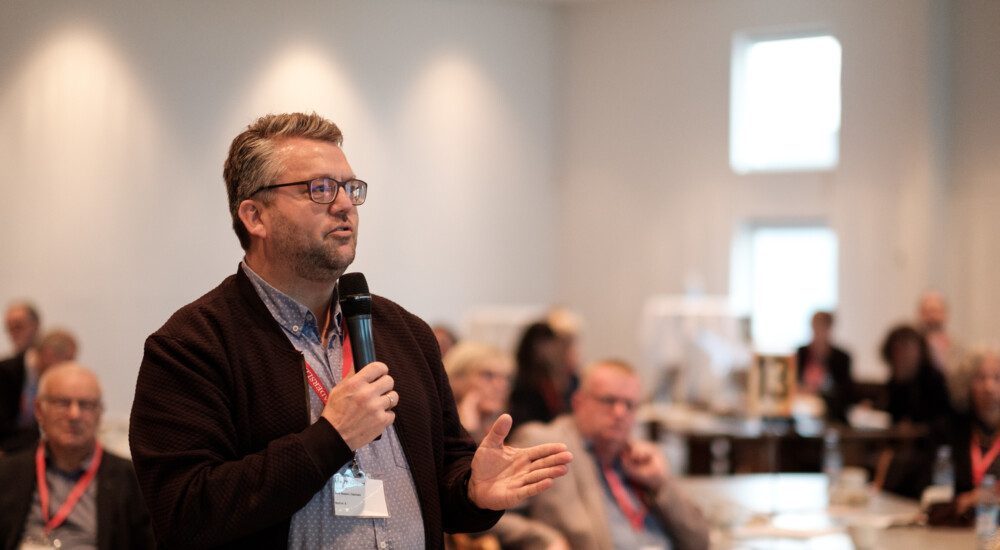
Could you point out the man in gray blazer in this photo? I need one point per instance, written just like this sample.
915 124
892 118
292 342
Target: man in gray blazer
619 492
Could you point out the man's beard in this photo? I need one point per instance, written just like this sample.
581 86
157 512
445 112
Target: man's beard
320 264
315 262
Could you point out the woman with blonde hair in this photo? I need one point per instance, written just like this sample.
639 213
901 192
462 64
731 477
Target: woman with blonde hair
480 379
976 436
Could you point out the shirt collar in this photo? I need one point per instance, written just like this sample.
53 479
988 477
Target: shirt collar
293 317
74 474
616 463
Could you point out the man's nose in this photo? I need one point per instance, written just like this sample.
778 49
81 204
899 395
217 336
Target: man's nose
342 202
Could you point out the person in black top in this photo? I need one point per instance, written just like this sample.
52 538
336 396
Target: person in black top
22 324
825 370
916 397
537 394
916 391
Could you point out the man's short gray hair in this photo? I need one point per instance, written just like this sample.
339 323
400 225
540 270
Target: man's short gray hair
251 164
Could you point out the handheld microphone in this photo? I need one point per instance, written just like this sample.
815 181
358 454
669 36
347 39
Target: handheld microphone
356 305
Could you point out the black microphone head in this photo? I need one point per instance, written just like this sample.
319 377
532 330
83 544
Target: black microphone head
354 296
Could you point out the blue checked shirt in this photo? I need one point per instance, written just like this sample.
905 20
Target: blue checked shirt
315 526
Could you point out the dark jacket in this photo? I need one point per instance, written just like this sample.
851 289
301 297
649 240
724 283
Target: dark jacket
221 434
840 396
122 521
11 385
923 400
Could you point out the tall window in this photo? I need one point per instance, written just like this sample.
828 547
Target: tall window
783 275
785 104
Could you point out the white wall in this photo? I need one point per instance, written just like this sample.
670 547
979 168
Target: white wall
519 153
115 119
650 203
975 210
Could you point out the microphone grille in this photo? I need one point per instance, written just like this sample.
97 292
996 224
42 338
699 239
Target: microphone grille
354 296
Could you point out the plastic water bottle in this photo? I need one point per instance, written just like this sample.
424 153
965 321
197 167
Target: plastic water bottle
833 460
943 473
720 448
987 509
942 487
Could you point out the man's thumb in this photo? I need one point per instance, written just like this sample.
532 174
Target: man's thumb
499 431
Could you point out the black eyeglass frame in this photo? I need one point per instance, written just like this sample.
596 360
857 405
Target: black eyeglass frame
340 185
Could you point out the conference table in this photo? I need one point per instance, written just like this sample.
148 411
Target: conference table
757 445
789 511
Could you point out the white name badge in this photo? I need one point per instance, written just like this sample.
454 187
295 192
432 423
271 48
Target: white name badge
39 542
361 497
36 545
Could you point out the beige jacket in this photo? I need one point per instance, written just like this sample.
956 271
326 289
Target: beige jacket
575 503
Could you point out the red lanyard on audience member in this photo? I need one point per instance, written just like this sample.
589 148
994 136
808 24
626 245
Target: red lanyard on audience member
636 514
74 494
348 366
982 463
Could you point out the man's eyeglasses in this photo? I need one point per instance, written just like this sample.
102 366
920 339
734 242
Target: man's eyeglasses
324 190
63 404
611 401
490 376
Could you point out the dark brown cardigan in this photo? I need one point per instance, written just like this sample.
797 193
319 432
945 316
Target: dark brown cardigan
220 431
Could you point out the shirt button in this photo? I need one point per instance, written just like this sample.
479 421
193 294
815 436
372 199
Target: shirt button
295 328
381 544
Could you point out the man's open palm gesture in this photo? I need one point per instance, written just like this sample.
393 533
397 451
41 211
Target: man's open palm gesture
503 476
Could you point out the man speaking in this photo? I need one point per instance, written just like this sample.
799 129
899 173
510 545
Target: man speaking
251 426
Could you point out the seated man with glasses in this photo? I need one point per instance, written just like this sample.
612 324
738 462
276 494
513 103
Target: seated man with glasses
619 493
69 492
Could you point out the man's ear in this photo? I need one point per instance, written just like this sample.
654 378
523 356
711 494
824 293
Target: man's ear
250 213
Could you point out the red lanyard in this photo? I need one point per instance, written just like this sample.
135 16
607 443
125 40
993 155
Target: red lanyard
982 463
74 494
636 514
348 366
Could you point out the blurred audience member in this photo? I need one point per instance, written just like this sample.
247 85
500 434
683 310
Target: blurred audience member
537 395
22 325
974 439
480 379
932 322
68 492
917 399
916 391
825 370
619 492
53 347
566 324
445 336
945 349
